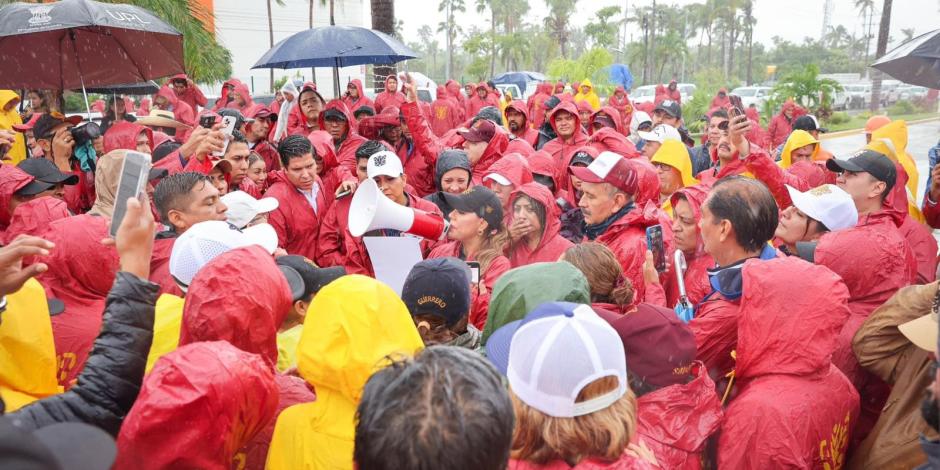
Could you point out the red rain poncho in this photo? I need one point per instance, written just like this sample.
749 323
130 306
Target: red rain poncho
528 133
224 98
219 308
34 216
197 408
560 149
297 122
389 98
296 222
676 421
475 103
720 101
536 104
263 147
623 105
514 168
123 135
362 100
192 95
780 126
444 113
794 409
479 303
551 245
12 179
415 162
331 173
81 272
182 112
626 237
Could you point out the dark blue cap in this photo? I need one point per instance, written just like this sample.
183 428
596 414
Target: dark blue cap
440 287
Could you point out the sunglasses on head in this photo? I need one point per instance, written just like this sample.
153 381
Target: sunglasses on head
723 125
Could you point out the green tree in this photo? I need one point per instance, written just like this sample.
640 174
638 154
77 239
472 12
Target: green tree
556 22
806 88
602 31
450 28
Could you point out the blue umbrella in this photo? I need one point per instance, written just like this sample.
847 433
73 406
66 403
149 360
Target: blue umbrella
520 79
620 75
335 46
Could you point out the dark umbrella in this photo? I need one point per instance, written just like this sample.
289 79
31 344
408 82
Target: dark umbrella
916 61
80 43
520 79
143 88
335 46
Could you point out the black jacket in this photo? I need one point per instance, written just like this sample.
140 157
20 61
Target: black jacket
108 385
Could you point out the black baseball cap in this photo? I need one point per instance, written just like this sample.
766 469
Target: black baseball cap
366 110
440 287
808 122
671 108
551 102
581 158
334 114
56 446
44 171
306 279
481 201
482 131
868 161
49 121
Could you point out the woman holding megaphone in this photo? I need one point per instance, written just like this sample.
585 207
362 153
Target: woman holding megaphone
478 236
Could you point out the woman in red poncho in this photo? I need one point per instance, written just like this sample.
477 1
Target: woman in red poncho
533 226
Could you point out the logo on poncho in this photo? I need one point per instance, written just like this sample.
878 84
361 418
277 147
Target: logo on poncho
40 15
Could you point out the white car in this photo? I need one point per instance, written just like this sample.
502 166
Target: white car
686 90
911 92
643 94
755 95
513 89
858 95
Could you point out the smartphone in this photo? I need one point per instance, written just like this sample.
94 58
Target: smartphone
207 121
134 173
343 194
228 125
737 107
474 272
654 241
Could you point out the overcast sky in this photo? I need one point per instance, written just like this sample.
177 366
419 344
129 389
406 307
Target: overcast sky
790 19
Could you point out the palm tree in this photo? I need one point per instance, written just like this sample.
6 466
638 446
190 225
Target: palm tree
556 22
883 30
280 3
749 23
450 28
866 8
383 19
482 5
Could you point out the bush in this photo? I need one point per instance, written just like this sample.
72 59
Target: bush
901 107
839 118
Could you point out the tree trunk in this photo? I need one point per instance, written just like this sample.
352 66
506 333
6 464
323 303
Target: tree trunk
383 19
750 55
270 45
313 70
882 48
492 41
733 38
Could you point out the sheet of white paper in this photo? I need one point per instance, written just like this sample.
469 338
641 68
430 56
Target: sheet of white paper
392 258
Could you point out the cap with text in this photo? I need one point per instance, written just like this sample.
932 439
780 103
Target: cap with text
609 168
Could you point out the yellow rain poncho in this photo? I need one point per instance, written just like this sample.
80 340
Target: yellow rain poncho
591 97
891 140
166 327
353 324
798 138
27 350
8 119
674 154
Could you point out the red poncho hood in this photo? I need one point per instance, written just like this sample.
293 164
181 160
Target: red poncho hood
514 168
541 163
240 297
520 107
198 406
608 139
543 196
791 328
493 152
34 216
12 179
570 107
123 135
323 144
614 115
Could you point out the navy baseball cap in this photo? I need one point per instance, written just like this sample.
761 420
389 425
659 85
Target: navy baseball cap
440 287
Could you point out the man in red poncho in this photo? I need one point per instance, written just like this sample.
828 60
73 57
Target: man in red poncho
481 98
332 248
721 99
535 105
444 113
781 124
453 88
517 119
166 100
794 408
339 123
609 186
304 118
228 94
391 96
188 92
389 175
355 96
570 136
738 219
302 202
257 132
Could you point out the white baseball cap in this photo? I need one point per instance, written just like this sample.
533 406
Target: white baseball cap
498 178
242 208
204 241
828 204
554 352
384 163
660 133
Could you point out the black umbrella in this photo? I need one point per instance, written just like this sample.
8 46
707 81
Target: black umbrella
335 46
916 61
81 43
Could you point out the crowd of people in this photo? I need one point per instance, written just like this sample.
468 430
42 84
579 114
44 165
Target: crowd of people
235 321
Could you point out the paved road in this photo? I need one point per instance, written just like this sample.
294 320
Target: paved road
921 137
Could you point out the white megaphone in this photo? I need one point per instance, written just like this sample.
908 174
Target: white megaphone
371 210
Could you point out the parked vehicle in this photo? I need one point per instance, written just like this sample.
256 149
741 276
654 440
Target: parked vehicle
858 95
686 90
755 95
516 93
911 92
643 94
